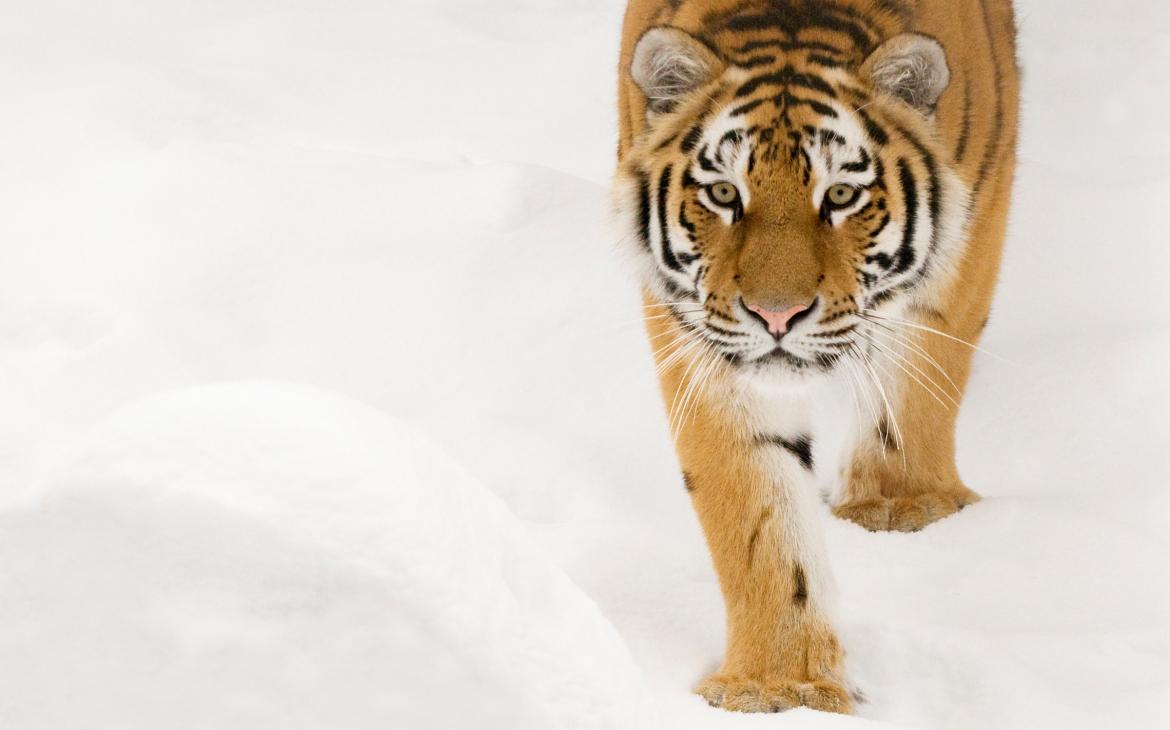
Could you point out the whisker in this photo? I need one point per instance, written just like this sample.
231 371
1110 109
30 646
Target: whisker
684 351
678 416
906 342
853 396
704 382
654 317
684 380
891 357
898 440
932 330
678 339
855 375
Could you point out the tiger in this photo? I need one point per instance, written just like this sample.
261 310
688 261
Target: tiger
815 195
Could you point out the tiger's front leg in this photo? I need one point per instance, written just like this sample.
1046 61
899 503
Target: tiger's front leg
755 497
903 476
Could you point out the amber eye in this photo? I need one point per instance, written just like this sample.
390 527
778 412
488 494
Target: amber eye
841 195
723 193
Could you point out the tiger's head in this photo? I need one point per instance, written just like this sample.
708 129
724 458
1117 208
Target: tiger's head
781 196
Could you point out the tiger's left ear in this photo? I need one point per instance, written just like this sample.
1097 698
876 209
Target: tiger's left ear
669 64
911 67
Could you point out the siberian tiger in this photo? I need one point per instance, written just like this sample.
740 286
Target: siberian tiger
817 193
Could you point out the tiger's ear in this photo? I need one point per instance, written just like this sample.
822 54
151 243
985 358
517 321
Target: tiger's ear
910 67
670 63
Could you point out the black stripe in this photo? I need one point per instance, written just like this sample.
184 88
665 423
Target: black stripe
800 447
723 316
905 252
881 226
686 222
731 135
789 46
644 208
819 108
787 76
705 161
813 18
725 333
668 256
836 316
746 107
933 190
764 517
829 136
691 139
860 166
800 591
756 61
688 482
806 167
666 143
965 132
931 171
997 123
825 61
873 129
835 333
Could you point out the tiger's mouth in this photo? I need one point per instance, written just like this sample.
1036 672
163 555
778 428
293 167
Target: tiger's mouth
806 346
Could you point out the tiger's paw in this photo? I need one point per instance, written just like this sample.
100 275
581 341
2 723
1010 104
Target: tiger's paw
742 694
905 514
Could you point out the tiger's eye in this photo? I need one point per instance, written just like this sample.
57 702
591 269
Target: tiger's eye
724 193
841 195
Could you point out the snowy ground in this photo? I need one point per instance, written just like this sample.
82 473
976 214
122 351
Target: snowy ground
436 489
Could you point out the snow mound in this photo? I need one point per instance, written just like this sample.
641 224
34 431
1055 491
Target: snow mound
269 555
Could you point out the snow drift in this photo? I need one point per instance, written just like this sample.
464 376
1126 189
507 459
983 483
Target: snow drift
275 556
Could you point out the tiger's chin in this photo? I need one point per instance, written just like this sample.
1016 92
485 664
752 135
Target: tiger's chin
781 369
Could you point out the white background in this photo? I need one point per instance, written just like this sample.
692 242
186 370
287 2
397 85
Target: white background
402 208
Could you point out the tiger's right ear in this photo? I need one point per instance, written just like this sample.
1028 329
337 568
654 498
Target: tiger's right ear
670 63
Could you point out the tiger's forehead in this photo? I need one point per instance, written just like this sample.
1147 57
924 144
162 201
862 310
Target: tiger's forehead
774 127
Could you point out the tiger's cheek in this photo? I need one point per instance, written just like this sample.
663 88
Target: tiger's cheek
715 242
843 280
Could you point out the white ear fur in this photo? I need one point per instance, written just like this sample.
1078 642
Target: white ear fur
668 64
910 67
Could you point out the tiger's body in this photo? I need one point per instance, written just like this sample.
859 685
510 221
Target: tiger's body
817 193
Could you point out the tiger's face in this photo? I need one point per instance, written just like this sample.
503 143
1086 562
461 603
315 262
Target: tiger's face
778 207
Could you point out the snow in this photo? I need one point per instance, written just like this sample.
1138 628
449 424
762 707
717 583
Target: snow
275 554
326 401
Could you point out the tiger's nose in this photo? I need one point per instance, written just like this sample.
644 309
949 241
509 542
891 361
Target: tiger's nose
776 321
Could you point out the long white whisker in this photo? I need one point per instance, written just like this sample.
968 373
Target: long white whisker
893 358
932 330
853 396
678 414
906 342
901 443
711 357
683 384
679 338
855 375
684 351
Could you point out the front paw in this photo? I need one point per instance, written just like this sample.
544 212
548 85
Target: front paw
905 514
772 694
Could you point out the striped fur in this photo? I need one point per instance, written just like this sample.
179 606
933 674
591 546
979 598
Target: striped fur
905 109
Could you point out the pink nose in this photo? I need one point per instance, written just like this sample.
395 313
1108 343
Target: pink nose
777 321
